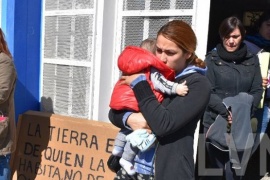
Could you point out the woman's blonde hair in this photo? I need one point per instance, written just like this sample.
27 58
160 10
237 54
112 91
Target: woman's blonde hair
184 37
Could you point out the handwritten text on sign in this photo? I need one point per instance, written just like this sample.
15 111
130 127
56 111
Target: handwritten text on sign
57 147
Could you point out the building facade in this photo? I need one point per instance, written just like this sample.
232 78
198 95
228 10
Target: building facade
65 51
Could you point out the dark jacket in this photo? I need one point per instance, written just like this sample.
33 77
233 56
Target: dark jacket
229 79
240 140
174 123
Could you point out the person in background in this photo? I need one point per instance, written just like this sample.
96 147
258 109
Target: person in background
258 41
7 115
122 148
175 119
233 71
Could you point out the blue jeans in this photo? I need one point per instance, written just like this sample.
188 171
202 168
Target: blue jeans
4 167
265 119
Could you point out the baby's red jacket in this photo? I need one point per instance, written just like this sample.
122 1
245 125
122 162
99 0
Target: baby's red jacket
133 60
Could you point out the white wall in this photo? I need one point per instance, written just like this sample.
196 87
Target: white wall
104 84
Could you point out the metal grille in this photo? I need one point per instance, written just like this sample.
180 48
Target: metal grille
83 36
132 32
68 37
68 4
50 37
66 90
64 37
157 4
133 28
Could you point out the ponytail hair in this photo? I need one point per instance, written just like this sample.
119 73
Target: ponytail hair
194 60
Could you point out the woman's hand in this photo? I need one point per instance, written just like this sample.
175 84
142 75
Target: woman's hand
229 117
264 82
127 79
137 121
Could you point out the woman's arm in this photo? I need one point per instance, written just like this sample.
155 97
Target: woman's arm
128 120
215 102
136 121
116 118
180 111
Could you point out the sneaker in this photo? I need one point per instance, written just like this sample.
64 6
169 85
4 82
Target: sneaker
113 163
128 167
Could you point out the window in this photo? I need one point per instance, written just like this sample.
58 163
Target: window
68 35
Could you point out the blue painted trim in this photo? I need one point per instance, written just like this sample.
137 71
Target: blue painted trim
8 22
40 50
22 23
3 15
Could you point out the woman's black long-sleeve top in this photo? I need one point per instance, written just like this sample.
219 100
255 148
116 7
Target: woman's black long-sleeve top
174 123
229 78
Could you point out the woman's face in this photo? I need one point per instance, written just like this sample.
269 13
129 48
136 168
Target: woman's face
169 53
265 29
232 42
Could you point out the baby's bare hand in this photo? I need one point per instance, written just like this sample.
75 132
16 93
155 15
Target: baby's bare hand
182 89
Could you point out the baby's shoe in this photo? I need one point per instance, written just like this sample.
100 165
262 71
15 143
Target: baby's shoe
113 163
128 166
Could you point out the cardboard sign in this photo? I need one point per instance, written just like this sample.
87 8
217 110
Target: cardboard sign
57 147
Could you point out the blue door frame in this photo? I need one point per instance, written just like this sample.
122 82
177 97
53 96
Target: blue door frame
21 23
